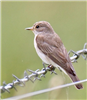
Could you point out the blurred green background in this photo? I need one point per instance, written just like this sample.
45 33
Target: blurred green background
18 54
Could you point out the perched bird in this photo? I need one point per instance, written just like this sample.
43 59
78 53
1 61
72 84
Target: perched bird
51 50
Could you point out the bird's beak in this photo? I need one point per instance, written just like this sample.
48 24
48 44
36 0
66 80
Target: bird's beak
29 28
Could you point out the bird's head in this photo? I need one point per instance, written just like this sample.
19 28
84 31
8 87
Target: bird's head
41 27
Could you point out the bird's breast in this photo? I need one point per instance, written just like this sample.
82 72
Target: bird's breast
43 57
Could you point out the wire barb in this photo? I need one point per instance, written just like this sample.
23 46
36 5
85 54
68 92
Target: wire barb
41 73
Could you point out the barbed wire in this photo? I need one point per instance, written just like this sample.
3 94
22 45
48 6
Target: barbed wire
41 73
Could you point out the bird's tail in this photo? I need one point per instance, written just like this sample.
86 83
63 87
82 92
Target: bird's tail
75 79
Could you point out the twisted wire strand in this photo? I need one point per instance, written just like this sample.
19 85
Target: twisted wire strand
42 72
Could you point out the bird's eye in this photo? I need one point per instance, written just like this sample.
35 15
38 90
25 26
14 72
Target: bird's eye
37 26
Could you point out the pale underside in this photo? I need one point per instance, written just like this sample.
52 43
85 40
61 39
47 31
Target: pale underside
45 58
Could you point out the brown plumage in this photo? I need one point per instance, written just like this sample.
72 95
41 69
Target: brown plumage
51 50
56 51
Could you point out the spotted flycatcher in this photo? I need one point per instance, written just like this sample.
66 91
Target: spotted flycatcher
51 50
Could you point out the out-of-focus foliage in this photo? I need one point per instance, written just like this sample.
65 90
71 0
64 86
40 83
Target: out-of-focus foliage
18 54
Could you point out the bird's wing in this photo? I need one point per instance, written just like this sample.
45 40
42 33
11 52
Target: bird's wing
53 47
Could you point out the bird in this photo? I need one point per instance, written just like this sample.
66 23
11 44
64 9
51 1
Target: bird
51 50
